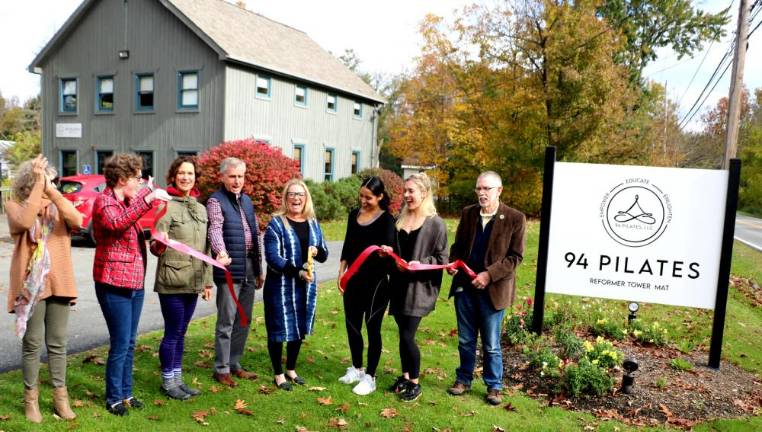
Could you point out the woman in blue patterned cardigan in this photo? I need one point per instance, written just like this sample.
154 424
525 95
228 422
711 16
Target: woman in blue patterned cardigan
290 294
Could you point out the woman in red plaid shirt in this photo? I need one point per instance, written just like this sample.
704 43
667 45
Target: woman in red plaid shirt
119 269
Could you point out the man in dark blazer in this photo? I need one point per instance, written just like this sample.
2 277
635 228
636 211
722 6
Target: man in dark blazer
490 239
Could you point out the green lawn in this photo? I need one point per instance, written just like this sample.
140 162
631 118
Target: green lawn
325 356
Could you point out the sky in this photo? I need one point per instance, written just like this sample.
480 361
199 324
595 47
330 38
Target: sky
383 34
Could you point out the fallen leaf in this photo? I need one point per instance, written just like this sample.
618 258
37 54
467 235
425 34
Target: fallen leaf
200 417
158 402
266 390
214 389
497 429
94 359
388 413
201 364
240 406
316 389
78 403
143 348
153 417
338 423
325 400
344 408
509 407
4 417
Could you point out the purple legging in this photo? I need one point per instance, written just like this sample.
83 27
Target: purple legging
177 310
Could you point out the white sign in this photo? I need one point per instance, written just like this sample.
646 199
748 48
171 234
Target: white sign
636 233
68 130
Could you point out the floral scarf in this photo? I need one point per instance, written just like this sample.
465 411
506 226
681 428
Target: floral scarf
37 270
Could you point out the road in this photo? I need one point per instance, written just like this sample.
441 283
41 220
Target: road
87 328
749 231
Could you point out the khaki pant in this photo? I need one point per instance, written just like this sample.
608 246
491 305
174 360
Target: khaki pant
48 323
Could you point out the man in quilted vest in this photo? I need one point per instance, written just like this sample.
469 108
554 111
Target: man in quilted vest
235 242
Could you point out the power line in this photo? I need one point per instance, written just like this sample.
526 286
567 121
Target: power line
695 73
696 106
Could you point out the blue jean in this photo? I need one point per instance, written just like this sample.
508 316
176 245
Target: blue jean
476 315
121 308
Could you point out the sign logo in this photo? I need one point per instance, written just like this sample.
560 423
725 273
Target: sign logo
635 213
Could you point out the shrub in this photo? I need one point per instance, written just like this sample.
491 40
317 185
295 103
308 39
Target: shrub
585 377
267 171
546 362
681 365
602 353
393 184
571 345
654 334
345 191
518 325
327 207
611 329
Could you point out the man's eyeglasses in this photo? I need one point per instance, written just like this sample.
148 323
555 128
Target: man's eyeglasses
484 189
295 194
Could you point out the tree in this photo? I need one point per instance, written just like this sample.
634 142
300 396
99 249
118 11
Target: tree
26 146
267 171
647 25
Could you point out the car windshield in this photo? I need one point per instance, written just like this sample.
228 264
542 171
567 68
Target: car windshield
69 187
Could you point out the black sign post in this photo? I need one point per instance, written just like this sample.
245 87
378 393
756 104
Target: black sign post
721 302
542 254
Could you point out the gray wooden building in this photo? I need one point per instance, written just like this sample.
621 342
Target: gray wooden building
169 77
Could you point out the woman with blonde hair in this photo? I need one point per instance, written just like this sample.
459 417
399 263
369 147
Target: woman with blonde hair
292 240
40 293
421 238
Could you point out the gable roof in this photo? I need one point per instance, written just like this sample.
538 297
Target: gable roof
244 37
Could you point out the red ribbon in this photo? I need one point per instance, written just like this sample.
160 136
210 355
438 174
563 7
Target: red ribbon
355 267
183 248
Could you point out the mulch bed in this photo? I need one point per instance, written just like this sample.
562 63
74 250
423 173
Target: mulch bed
662 395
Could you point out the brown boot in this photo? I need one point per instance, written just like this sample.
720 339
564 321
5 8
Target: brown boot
61 404
32 405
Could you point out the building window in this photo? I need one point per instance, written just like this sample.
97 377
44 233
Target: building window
300 96
299 156
147 157
187 90
69 95
328 165
357 110
105 101
355 162
145 100
68 163
101 156
186 153
331 103
263 87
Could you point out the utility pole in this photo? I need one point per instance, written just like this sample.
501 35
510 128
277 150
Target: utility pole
736 85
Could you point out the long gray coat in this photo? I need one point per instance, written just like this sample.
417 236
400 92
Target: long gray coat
418 297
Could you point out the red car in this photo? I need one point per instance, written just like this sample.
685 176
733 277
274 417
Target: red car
82 189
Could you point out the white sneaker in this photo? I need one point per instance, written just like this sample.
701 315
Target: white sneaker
366 386
352 376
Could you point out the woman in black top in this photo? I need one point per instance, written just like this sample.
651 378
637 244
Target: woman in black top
366 296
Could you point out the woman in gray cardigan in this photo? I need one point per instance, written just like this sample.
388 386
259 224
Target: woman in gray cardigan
421 238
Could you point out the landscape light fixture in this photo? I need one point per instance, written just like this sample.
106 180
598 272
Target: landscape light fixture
124 54
630 365
633 308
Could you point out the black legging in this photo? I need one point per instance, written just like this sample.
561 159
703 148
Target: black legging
410 355
276 354
365 302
